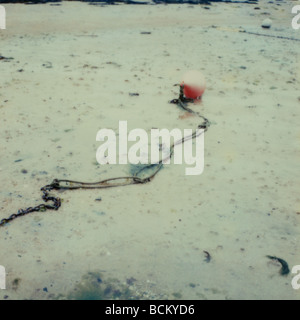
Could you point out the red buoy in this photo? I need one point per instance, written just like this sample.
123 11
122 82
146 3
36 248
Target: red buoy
194 84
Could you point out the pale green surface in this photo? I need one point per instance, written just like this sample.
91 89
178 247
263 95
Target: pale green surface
242 208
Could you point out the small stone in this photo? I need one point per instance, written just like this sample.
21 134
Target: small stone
266 24
47 64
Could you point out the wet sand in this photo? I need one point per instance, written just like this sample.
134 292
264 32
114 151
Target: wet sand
73 69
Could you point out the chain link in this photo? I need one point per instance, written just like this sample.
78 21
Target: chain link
39 208
108 183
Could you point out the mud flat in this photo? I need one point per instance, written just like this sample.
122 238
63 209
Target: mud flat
69 70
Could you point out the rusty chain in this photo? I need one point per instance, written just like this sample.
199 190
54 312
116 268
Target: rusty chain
62 184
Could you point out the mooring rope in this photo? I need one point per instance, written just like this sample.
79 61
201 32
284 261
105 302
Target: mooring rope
269 35
240 30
